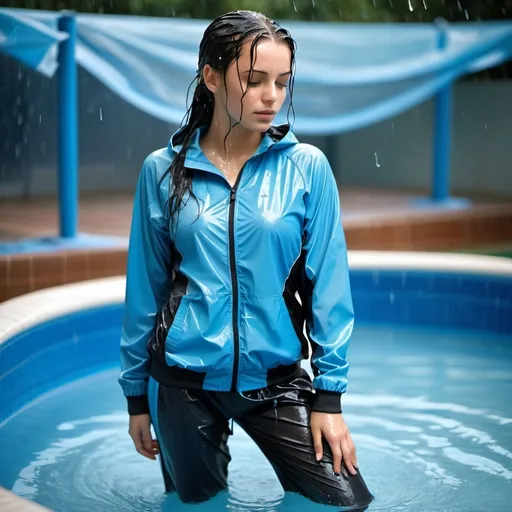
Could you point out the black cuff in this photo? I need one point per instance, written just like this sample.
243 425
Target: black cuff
327 401
137 405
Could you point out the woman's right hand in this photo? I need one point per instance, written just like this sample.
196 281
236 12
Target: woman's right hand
140 432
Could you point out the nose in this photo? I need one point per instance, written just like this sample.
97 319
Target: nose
270 94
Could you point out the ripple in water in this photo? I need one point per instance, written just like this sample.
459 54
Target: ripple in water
423 444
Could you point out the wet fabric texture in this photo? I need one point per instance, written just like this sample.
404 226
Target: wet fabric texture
193 427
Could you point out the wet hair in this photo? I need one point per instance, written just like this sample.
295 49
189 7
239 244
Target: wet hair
221 44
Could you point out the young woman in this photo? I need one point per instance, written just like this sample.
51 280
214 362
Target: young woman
236 244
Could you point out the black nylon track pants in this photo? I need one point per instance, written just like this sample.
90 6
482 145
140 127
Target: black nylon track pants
192 428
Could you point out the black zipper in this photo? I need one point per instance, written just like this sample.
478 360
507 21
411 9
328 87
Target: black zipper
234 282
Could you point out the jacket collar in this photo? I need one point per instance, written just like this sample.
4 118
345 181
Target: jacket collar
276 137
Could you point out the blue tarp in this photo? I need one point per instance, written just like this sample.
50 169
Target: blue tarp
348 75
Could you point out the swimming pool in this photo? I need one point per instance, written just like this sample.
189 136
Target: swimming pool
428 403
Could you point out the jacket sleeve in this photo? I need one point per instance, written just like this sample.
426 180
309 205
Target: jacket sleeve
326 288
147 286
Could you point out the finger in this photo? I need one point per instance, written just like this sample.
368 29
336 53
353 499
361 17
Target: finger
317 443
348 455
337 455
156 447
148 443
354 455
139 445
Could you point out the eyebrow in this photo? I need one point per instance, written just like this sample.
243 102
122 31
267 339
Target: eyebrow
264 72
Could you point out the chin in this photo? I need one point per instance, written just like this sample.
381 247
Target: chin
261 127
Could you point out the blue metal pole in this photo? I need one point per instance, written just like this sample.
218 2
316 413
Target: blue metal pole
442 129
68 128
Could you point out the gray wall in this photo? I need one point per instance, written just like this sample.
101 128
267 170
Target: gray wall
115 137
398 152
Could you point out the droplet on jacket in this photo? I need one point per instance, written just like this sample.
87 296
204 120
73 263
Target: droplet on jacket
378 159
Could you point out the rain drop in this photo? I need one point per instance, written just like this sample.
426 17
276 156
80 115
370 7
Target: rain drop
101 114
294 6
378 159
20 73
40 118
463 115
459 5
411 8
20 119
466 13
486 127
17 151
425 5
18 100
374 4
313 4
393 125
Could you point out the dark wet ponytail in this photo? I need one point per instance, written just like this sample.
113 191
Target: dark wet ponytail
221 44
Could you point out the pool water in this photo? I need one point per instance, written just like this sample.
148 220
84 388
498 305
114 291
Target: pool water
429 411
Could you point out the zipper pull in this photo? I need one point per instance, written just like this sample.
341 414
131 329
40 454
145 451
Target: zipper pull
232 195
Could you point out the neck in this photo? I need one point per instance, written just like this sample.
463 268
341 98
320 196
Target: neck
240 143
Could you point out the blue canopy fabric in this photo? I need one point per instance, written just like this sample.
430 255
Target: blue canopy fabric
349 75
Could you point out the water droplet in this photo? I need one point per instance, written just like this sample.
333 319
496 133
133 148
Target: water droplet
294 6
40 118
466 13
20 73
393 125
101 114
411 8
374 4
463 115
391 4
28 82
18 100
17 151
378 159
129 152
486 127
313 3
20 119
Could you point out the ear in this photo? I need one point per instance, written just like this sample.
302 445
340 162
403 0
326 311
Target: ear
212 79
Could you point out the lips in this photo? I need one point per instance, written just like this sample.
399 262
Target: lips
266 112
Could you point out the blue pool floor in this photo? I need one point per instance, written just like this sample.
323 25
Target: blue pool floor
429 412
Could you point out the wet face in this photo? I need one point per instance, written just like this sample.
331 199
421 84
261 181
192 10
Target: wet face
254 99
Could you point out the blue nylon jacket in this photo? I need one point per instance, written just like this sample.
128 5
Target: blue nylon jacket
221 302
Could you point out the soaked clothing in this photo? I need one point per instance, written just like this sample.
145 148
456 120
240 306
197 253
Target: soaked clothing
216 307
220 303
192 428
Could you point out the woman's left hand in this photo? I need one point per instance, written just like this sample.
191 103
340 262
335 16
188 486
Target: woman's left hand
335 431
